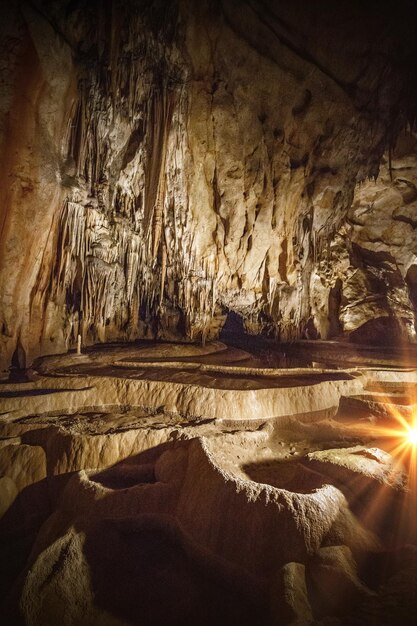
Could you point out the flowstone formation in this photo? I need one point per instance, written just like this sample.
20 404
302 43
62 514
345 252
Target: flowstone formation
176 178
175 484
165 163
367 284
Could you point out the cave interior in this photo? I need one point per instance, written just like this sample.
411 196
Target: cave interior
208 312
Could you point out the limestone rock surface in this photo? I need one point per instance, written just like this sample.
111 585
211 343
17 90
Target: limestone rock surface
164 164
142 514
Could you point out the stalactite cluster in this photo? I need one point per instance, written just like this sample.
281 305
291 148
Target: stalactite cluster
105 275
182 164
124 252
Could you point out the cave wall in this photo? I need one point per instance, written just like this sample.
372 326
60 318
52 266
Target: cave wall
163 163
371 260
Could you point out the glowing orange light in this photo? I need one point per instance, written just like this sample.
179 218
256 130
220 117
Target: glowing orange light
412 436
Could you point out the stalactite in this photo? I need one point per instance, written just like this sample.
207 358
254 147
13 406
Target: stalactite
125 239
163 273
160 116
113 232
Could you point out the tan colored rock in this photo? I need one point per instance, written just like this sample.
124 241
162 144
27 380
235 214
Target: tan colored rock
372 463
187 490
257 520
289 597
157 576
70 452
196 179
8 493
335 579
24 464
194 391
372 258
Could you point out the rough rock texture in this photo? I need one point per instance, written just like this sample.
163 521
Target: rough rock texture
289 596
164 163
371 265
206 493
236 395
122 515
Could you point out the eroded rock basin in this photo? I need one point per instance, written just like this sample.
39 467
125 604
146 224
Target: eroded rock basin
172 484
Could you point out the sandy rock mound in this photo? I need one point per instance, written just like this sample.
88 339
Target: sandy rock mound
162 524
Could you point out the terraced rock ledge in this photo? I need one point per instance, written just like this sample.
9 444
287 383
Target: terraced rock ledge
153 480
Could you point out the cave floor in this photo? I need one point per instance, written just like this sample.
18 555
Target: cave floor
273 484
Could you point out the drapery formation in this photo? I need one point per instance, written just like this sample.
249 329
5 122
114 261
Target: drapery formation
169 163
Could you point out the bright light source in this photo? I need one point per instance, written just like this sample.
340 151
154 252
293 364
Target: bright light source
412 436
